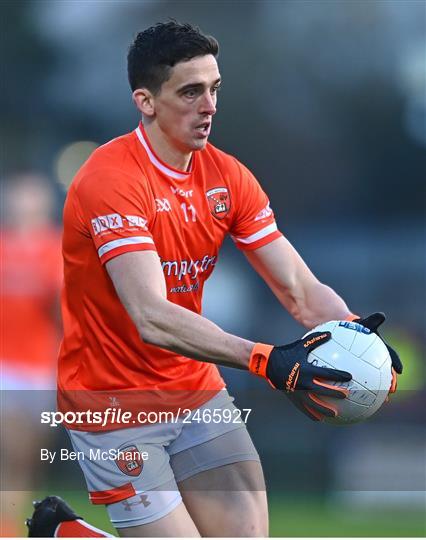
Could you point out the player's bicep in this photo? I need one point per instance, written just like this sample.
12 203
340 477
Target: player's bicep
281 266
139 281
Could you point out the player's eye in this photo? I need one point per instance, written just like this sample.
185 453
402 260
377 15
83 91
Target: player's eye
190 93
215 89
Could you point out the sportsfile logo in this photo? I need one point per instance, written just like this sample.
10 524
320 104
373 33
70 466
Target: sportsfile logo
101 224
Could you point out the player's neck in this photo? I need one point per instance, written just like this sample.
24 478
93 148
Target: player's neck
165 150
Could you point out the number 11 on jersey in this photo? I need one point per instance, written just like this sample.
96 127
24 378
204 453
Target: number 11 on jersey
189 212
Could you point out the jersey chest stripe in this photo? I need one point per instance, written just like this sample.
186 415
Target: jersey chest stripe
257 236
124 242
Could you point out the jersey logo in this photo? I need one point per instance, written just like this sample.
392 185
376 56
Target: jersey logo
190 268
219 202
137 221
182 192
163 205
113 401
131 462
265 213
103 223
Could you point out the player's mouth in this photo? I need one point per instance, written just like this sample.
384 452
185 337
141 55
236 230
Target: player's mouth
203 129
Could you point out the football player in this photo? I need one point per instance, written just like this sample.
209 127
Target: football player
144 221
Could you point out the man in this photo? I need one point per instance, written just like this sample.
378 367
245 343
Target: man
143 223
31 280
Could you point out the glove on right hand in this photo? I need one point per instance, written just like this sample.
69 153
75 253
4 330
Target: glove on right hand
286 368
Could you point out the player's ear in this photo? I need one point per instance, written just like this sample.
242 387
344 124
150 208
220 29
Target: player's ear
144 101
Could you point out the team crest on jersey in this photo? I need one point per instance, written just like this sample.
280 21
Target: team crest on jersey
129 460
219 201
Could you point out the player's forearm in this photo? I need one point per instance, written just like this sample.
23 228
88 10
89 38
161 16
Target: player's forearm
298 290
177 329
313 304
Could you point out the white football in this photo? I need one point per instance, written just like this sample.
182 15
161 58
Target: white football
362 353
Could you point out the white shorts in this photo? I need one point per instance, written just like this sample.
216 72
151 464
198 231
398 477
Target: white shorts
143 488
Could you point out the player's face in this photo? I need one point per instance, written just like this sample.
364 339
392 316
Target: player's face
186 103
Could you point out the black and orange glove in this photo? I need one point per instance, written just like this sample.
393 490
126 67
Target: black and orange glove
286 368
372 322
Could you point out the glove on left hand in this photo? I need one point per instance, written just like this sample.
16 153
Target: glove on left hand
372 322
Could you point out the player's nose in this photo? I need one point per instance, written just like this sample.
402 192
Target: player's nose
208 104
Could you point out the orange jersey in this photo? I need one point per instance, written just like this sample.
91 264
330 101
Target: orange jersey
31 279
124 199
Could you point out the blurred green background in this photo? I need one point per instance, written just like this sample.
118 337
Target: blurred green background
300 517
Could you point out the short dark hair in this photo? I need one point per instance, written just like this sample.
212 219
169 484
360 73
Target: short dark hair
158 48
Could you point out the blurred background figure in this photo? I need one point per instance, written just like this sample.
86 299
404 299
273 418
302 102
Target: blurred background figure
30 274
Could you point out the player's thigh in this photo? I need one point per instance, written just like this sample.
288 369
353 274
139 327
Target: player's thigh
228 501
177 523
222 485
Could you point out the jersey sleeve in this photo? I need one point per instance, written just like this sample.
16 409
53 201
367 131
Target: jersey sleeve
254 223
117 211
